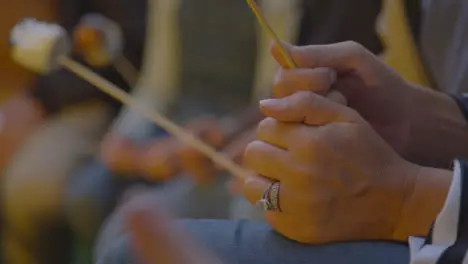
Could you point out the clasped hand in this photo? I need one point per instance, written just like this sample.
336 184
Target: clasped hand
340 173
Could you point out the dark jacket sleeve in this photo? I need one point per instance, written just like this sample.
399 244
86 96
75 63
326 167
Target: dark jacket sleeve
332 21
462 102
63 88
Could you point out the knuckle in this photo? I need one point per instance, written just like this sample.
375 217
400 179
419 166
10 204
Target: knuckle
357 53
354 114
304 174
310 140
251 190
321 80
313 81
279 78
252 148
251 153
355 47
305 98
278 82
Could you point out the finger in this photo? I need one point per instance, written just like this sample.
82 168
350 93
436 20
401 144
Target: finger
277 133
337 97
308 108
342 57
254 186
288 81
268 160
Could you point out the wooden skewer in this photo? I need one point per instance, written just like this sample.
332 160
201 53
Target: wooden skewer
126 69
264 23
161 120
172 128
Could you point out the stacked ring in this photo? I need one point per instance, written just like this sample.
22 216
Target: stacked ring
270 198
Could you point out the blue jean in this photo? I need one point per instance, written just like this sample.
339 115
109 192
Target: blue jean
256 243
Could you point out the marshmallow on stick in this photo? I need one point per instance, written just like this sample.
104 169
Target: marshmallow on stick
100 41
33 40
36 45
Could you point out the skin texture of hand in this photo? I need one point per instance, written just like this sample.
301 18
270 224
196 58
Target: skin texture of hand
20 116
339 179
155 239
399 112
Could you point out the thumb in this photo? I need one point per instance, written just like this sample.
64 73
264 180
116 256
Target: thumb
343 56
309 108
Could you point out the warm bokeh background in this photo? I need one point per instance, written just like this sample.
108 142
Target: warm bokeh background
14 77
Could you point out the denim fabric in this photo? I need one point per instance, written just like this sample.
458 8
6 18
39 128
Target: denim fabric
247 242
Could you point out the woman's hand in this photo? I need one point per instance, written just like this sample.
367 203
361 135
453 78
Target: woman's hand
339 180
409 118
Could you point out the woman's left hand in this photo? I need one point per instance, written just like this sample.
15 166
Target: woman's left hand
339 180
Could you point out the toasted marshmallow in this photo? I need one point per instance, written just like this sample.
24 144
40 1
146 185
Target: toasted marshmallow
99 39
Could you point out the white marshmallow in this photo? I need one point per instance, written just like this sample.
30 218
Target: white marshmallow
37 45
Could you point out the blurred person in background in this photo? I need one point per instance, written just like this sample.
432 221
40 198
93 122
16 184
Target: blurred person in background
50 125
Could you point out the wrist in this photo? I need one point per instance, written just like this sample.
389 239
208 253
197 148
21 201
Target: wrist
424 199
437 129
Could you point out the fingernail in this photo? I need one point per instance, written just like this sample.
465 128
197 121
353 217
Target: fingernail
267 103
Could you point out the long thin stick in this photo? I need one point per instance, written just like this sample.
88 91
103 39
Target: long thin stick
126 69
152 115
264 23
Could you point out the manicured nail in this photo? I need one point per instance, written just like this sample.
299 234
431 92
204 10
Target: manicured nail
267 102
